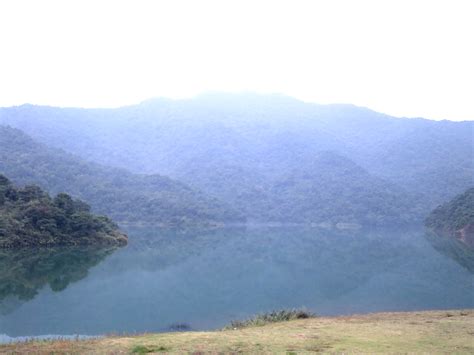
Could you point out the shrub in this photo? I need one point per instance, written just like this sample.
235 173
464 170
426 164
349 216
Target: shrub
271 317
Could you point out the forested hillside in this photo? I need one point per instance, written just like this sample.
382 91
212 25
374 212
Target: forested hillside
30 217
332 188
123 196
328 189
237 145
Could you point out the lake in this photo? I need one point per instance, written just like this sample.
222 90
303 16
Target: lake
167 280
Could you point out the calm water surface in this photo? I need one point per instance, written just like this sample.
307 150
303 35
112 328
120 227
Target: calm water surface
169 280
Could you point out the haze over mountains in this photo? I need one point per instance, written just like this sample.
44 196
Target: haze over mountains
265 158
124 196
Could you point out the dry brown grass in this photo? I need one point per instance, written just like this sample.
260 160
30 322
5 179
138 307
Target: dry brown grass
401 332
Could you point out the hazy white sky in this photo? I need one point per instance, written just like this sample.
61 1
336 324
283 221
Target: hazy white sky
406 58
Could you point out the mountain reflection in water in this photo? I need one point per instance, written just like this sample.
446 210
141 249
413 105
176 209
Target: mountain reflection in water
168 280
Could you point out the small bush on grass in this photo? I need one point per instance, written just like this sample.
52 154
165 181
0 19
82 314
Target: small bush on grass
271 317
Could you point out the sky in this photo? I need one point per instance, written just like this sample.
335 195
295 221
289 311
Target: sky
406 58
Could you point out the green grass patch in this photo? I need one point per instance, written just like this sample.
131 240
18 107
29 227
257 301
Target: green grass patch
142 349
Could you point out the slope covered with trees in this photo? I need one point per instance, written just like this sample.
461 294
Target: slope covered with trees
123 196
334 189
328 189
236 146
30 217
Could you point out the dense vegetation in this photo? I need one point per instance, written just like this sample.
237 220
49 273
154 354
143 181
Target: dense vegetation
332 189
271 158
327 189
123 196
30 217
236 144
455 217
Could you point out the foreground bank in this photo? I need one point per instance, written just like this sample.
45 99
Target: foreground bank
429 332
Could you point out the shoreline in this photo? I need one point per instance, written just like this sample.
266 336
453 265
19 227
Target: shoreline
443 331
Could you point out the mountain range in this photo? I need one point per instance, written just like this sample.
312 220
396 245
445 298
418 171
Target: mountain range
114 192
236 157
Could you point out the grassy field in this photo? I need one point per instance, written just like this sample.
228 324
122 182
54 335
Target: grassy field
401 332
